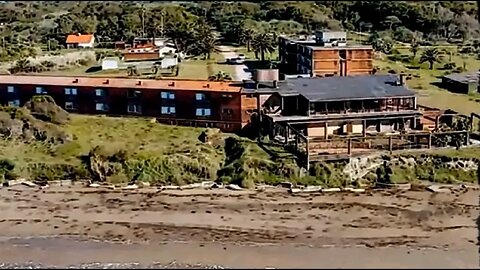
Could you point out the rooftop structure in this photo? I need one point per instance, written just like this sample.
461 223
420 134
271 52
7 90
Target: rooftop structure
119 83
345 88
466 83
80 41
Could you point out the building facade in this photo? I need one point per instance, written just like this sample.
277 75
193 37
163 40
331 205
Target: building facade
220 105
80 41
326 56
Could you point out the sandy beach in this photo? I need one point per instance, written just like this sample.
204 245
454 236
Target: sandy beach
73 225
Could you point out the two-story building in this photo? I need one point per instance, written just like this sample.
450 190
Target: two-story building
185 102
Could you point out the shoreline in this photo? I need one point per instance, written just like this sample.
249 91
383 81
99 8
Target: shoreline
239 229
218 255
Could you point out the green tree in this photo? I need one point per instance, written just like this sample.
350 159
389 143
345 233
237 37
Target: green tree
264 43
21 65
414 46
247 37
221 76
430 55
206 39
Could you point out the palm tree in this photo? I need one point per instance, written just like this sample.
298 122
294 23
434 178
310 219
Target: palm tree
206 40
430 55
414 46
21 65
264 43
247 37
221 76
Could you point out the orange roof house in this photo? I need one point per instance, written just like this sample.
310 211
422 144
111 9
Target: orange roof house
80 41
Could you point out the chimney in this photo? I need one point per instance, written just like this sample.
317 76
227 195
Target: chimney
402 79
75 80
171 84
275 84
206 85
106 81
139 82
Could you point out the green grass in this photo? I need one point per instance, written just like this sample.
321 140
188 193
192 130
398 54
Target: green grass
201 69
136 135
469 152
251 55
429 94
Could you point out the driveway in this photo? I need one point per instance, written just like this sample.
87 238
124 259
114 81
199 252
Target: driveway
240 73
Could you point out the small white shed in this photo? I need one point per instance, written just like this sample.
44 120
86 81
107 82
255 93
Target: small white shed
110 63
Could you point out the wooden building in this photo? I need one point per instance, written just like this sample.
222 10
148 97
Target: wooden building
323 107
185 102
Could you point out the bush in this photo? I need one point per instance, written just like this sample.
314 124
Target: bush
450 65
45 109
44 172
6 169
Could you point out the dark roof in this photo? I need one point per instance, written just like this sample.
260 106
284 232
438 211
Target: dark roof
463 77
345 88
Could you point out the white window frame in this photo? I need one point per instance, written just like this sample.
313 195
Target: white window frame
138 108
14 103
203 112
11 89
40 90
169 110
200 96
104 107
167 95
100 90
71 91
69 105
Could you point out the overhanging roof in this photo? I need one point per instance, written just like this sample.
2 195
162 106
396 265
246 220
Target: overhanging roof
339 88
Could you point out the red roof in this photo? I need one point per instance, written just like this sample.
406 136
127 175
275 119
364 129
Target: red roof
79 38
121 83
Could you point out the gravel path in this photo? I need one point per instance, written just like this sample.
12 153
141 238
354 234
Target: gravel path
240 73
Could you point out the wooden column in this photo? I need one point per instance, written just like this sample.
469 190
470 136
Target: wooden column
364 128
429 140
349 146
308 154
259 108
390 144
286 134
326 131
467 135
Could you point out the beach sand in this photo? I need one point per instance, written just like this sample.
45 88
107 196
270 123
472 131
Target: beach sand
73 225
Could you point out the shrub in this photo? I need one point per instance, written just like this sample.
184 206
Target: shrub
450 65
6 170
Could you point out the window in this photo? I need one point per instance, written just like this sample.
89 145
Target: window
203 112
200 96
227 111
10 89
101 107
134 108
40 90
69 105
168 95
134 93
168 110
14 103
71 91
100 92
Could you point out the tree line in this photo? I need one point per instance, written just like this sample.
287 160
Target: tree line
195 26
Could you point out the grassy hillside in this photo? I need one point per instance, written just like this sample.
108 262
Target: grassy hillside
423 79
45 143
